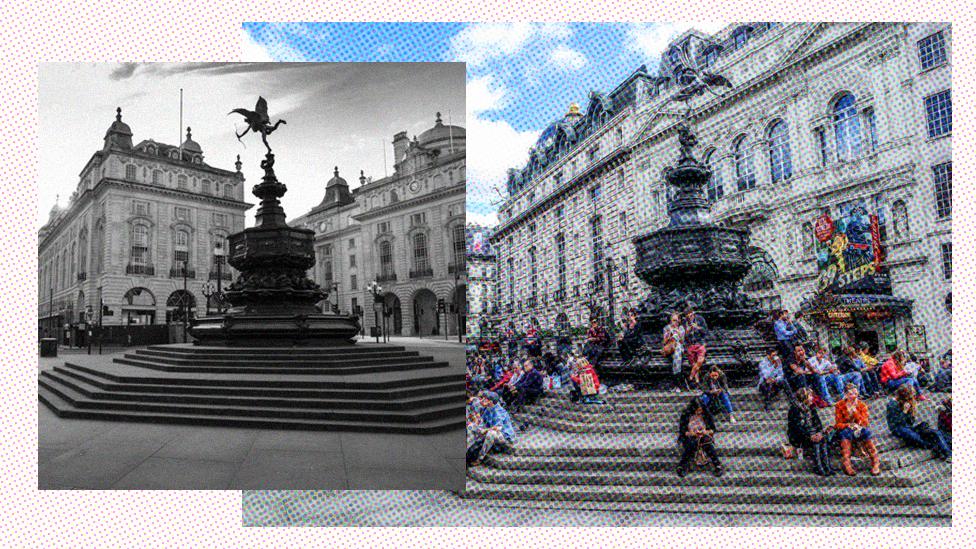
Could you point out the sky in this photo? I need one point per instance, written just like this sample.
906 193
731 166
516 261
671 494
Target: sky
338 114
520 76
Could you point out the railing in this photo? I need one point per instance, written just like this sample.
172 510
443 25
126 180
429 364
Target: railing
147 270
421 273
177 272
224 275
82 275
388 277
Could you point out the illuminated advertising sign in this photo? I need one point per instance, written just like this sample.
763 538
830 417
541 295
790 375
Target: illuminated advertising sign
849 253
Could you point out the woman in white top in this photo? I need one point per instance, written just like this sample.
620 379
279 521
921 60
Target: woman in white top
674 346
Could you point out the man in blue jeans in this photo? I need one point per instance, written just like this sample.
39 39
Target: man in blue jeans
497 430
828 374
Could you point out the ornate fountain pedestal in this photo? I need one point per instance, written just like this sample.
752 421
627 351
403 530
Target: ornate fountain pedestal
273 301
693 263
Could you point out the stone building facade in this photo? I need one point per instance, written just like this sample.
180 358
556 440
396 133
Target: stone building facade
405 232
821 117
139 218
482 293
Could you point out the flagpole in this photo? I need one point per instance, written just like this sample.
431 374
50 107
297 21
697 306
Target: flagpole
450 130
179 136
383 146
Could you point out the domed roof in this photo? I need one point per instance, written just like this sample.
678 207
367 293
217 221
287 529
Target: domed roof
336 180
190 145
119 126
119 134
440 132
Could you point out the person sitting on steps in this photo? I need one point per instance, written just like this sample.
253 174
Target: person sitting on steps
805 430
696 430
771 377
893 375
851 423
696 332
586 383
496 431
902 415
673 348
717 390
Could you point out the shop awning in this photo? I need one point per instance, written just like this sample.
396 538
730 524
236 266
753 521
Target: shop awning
846 307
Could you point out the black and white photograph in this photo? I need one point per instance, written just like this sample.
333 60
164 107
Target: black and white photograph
251 276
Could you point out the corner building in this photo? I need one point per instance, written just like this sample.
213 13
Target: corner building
824 119
405 232
140 218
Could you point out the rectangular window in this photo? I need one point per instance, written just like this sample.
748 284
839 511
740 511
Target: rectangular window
220 219
596 236
561 265
205 186
533 278
383 227
352 243
181 256
557 180
931 51
157 177
352 260
181 213
418 219
353 282
947 260
942 175
595 192
140 207
511 284
181 182
938 113
130 172
623 224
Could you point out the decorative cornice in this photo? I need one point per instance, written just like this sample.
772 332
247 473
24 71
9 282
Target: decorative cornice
457 188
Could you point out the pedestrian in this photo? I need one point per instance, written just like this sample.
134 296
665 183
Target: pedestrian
696 431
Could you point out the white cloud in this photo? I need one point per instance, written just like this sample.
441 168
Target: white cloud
650 39
252 51
480 42
484 94
484 220
566 58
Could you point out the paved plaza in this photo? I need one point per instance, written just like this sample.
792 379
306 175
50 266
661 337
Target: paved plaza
86 454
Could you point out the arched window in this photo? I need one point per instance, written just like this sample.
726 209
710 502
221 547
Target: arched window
98 247
327 265
899 219
847 128
421 258
386 260
745 172
780 163
715 189
83 253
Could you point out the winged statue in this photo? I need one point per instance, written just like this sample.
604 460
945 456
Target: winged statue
683 65
258 121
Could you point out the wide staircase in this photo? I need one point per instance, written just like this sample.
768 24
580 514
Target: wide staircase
622 455
363 387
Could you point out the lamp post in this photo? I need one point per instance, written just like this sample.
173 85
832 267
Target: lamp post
209 291
186 302
219 257
335 290
89 316
377 290
610 304
457 305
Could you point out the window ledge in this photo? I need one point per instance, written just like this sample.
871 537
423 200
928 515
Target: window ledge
938 137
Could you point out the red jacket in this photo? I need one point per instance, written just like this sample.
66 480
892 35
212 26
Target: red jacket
891 370
587 369
506 377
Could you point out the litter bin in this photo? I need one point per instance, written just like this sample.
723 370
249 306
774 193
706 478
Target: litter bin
49 346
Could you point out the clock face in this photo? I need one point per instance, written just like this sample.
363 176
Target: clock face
414 186
322 226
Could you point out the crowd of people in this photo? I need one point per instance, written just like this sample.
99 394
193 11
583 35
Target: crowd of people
523 367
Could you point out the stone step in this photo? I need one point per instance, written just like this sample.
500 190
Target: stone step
339 393
923 495
65 409
893 459
139 376
641 426
549 443
412 364
284 360
358 348
95 392
774 481
861 509
665 414
80 401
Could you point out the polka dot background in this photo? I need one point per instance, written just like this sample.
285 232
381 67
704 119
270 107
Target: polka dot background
211 31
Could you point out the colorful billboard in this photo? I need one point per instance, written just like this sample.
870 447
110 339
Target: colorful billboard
850 258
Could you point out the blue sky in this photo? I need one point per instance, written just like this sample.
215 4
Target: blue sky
521 76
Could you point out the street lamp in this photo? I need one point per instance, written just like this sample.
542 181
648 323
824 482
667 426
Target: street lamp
335 290
377 290
610 269
219 257
209 291
457 304
186 301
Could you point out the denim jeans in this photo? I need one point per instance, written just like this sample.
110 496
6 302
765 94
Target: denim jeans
924 438
722 397
856 379
820 382
848 434
871 381
907 380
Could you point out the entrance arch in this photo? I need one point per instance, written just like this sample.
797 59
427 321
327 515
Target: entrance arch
425 319
391 304
178 304
139 306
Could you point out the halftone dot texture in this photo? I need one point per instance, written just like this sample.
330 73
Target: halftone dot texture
535 108
210 31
